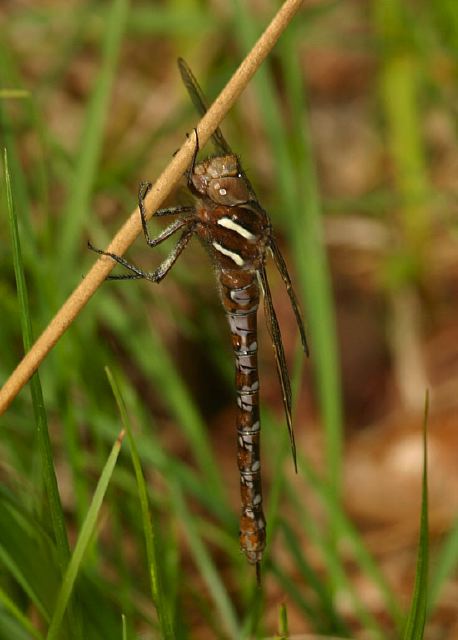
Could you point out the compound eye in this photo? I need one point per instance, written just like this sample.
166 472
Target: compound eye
228 191
200 182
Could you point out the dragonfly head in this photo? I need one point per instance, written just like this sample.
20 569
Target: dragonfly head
220 180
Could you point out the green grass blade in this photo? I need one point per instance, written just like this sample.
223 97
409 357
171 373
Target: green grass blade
162 369
92 136
11 144
13 94
352 537
445 563
83 541
17 258
10 606
283 623
226 612
313 271
416 619
9 565
155 570
49 474
337 572
316 584
400 90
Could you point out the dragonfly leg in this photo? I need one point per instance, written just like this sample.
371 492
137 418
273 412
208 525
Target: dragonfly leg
169 211
168 263
164 267
138 273
166 233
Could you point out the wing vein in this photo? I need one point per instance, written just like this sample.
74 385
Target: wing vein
280 359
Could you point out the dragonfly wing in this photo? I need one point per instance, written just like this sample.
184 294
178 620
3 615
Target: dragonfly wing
280 360
200 103
198 98
281 266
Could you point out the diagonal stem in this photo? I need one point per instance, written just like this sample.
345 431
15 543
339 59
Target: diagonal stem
156 196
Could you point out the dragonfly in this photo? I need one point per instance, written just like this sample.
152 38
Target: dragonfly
237 233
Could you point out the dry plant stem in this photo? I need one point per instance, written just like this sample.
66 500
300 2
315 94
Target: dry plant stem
160 190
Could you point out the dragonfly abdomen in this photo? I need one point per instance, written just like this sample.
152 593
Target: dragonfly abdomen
240 297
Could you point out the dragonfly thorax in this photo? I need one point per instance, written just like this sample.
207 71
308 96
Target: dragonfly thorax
220 180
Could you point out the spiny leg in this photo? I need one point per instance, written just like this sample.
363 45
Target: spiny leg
170 211
139 273
282 268
168 263
166 233
164 267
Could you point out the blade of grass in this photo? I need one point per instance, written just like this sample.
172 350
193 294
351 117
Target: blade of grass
152 454
10 606
157 362
218 592
17 177
416 619
334 621
81 546
171 21
292 590
351 536
9 565
283 623
400 85
336 569
306 234
400 80
88 156
445 563
49 474
13 94
153 553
